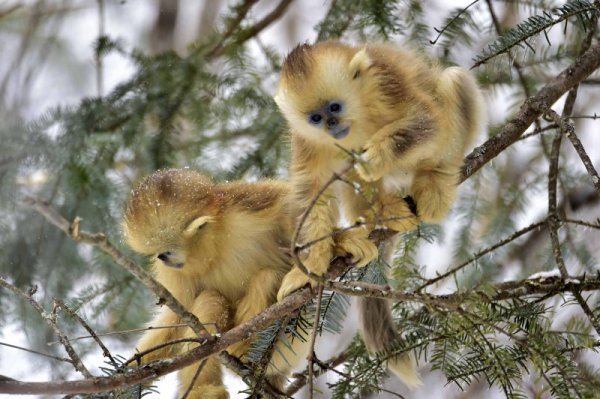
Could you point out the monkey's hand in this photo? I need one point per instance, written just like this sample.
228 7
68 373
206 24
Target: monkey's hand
355 242
293 281
155 337
370 165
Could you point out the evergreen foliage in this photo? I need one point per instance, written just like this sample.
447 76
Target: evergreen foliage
211 108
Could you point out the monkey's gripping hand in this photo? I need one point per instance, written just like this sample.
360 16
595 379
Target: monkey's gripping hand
292 281
316 261
370 166
355 242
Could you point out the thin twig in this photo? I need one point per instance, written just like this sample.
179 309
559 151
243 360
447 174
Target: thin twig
50 320
196 374
568 130
122 332
87 327
62 359
481 253
248 33
301 379
441 31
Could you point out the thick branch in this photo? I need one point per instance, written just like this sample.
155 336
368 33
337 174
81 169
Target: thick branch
162 367
581 68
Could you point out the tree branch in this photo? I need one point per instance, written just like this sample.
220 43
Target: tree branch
579 70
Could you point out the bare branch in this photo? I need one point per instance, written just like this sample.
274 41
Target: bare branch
50 319
84 324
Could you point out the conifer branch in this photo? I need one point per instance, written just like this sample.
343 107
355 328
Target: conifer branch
105 352
535 25
162 367
545 285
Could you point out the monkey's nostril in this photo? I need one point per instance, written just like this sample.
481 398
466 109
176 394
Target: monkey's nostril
331 122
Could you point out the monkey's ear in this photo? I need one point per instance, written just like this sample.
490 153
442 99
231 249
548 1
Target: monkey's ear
196 225
359 63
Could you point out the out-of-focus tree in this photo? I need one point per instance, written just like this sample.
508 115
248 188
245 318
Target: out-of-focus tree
477 314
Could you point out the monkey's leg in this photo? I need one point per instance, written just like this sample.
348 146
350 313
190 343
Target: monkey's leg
395 213
434 191
355 240
292 281
289 352
403 140
316 235
159 336
260 294
213 310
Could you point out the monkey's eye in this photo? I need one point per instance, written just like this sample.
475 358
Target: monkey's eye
335 107
315 118
164 256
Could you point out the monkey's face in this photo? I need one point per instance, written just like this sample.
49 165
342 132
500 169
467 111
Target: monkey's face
182 252
174 246
321 93
168 218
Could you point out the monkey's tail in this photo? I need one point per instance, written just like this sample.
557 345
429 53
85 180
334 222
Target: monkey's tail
378 330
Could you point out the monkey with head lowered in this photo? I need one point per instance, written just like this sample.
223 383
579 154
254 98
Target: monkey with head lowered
221 250
411 122
217 249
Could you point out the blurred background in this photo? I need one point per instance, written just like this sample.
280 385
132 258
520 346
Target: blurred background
95 94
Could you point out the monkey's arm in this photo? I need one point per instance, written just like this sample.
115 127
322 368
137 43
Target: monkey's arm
213 310
311 169
400 142
260 294
184 289
159 336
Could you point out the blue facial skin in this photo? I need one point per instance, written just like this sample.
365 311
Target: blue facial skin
330 114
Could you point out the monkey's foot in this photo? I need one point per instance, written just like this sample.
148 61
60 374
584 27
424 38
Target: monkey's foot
317 256
398 216
356 242
434 204
293 281
369 166
207 392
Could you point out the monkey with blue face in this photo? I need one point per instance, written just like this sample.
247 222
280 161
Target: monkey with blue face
409 120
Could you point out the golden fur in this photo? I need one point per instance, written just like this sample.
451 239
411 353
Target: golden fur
410 120
217 249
